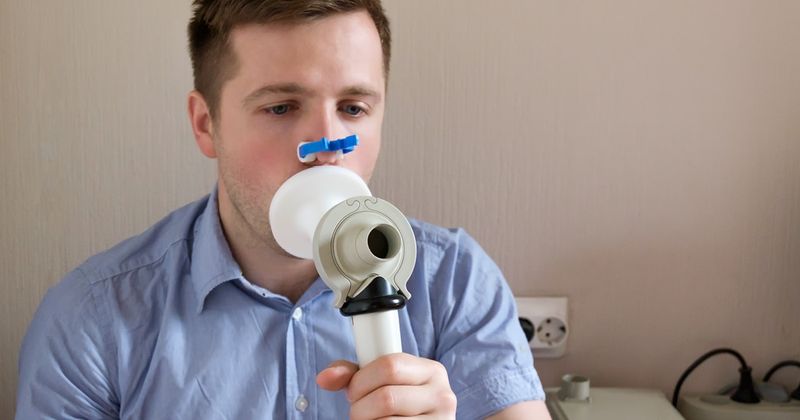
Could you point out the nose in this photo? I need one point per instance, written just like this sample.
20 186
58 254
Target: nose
328 158
325 123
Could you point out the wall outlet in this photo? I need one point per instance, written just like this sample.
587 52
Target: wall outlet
544 320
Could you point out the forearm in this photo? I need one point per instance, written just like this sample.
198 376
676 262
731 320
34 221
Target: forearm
533 410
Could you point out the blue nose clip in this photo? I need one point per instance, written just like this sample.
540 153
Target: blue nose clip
307 151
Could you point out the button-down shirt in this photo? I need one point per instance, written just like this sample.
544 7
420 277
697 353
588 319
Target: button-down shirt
165 325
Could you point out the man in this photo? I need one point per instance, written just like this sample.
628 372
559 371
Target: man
205 316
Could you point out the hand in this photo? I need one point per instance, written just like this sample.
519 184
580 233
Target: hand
393 385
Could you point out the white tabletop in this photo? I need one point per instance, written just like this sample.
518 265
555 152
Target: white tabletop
613 403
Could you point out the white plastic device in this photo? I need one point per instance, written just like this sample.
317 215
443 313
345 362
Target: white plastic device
611 404
375 335
302 200
546 318
362 246
721 407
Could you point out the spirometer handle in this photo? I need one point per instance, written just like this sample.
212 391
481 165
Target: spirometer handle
376 323
376 334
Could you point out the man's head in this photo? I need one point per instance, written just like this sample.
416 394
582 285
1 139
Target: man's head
213 60
272 74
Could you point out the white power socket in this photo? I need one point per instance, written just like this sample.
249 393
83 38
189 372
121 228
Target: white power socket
721 407
545 321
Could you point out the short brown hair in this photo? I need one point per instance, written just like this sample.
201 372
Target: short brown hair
213 60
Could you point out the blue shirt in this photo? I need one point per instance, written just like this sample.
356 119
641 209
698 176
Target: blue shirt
164 325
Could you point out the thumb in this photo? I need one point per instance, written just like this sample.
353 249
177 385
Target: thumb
337 375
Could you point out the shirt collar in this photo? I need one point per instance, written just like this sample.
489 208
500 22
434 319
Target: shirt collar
212 260
213 263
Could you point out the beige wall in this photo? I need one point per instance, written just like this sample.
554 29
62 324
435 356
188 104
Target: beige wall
641 158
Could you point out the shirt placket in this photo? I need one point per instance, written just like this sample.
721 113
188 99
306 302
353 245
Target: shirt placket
298 367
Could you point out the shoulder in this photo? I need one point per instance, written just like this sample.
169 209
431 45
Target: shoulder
71 347
433 240
80 299
450 254
462 296
78 305
454 280
146 248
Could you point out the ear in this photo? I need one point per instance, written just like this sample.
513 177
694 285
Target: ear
202 125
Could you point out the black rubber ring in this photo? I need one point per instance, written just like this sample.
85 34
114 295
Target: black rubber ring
372 305
379 296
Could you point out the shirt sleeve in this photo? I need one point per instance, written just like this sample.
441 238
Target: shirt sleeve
64 359
480 341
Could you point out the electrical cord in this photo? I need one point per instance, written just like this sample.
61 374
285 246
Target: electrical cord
745 392
780 365
796 393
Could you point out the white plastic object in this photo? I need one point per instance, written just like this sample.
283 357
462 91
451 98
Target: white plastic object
768 391
303 199
309 157
356 241
612 404
313 156
721 407
327 213
343 254
574 388
376 334
550 324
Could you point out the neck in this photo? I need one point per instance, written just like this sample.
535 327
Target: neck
262 260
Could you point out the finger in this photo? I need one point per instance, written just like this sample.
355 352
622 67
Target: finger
393 369
399 400
415 418
423 417
337 375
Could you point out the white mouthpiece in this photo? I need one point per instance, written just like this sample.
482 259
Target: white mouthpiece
303 199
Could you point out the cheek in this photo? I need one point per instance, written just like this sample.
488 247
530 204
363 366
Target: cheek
364 158
254 165
259 148
370 146
272 168
371 152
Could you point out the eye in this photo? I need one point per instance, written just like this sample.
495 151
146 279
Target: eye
278 109
353 110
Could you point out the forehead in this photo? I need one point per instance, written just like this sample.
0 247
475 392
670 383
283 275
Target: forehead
342 48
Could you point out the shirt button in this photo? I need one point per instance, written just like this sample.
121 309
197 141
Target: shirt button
297 314
301 404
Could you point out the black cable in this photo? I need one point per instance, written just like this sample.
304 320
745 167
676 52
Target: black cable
780 365
744 393
795 395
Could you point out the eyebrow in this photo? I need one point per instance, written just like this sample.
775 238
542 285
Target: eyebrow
296 89
280 88
360 91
